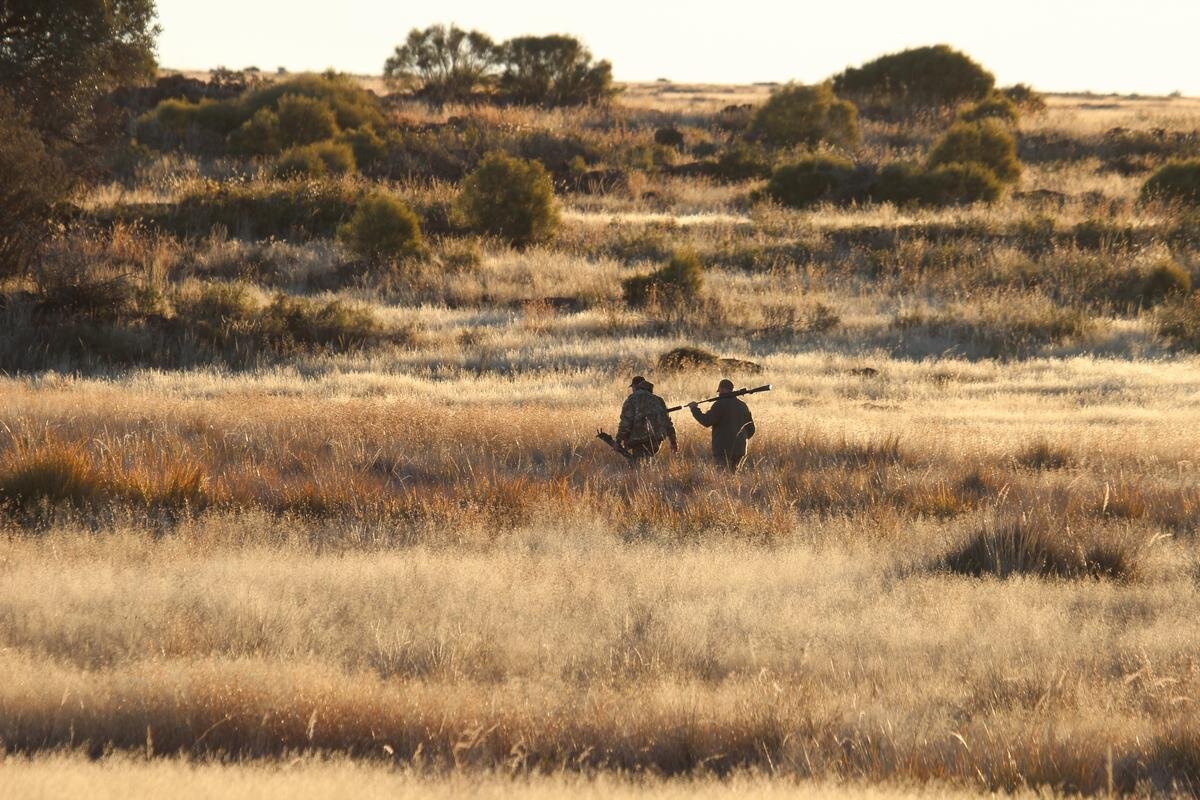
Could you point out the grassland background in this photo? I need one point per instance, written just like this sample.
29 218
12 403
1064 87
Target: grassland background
416 557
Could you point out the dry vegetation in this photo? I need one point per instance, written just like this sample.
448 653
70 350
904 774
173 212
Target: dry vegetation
264 500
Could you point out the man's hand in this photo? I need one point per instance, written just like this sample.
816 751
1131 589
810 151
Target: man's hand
693 405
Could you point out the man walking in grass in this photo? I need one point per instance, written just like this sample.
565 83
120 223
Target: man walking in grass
732 426
645 422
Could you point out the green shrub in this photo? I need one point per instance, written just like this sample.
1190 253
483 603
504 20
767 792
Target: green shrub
202 127
806 115
257 136
994 106
1178 321
304 120
901 182
937 76
1024 97
810 180
954 184
382 227
368 146
743 161
289 322
352 105
1176 182
300 162
259 210
682 279
987 142
510 198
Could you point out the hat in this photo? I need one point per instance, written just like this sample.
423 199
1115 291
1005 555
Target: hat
638 380
725 385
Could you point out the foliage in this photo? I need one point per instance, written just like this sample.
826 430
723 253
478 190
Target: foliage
553 71
1178 321
680 280
511 198
1024 97
1178 182
742 161
806 115
444 64
304 120
58 59
315 161
994 106
669 137
954 184
368 146
936 76
1164 280
257 136
810 180
32 181
987 142
382 228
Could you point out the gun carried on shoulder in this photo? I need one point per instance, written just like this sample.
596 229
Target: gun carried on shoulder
737 393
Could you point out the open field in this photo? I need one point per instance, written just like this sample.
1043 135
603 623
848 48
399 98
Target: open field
961 558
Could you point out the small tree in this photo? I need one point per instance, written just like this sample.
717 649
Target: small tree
806 115
553 71
936 76
445 65
511 198
32 180
987 142
382 227
994 106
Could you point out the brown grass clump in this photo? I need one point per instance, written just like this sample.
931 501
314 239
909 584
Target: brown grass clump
1043 454
1040 545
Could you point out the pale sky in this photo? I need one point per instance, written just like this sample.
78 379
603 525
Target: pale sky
1149 47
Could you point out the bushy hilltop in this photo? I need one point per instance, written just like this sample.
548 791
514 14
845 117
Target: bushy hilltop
249 218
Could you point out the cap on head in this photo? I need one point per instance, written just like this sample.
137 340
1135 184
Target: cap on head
725 385
636 382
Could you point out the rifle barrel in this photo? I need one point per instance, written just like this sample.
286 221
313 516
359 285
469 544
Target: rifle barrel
738 393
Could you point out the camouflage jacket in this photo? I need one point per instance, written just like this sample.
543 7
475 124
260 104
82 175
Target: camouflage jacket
644 418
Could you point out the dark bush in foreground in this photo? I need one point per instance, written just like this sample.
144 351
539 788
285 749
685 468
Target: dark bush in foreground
510 198
988 142
315 161
680 280
936 76
810 180
806 115
743 161
1042 546
1176 182
905 183
382 228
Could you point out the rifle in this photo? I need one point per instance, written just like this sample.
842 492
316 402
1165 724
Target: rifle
738 393
611 442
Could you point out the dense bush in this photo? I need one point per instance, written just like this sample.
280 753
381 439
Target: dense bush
294 209
680 280
511 198
1024 98
368 146
988 142
937 76
810 180
669 137
806 115
1177 182
382 228
257 136
553 70
1164 280
304 120
315 161
32 181
994 106
743 161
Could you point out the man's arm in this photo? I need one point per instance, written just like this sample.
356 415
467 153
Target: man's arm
748 428
706 418
670 427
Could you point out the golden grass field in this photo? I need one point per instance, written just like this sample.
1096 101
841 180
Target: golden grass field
960 559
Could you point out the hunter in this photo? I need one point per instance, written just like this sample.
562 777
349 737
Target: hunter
645 422
731 423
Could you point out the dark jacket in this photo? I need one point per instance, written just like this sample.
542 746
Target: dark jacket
731 425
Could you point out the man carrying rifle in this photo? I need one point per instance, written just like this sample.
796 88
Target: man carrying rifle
645 422
731 423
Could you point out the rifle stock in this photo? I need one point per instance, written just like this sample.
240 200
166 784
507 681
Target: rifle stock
737 393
